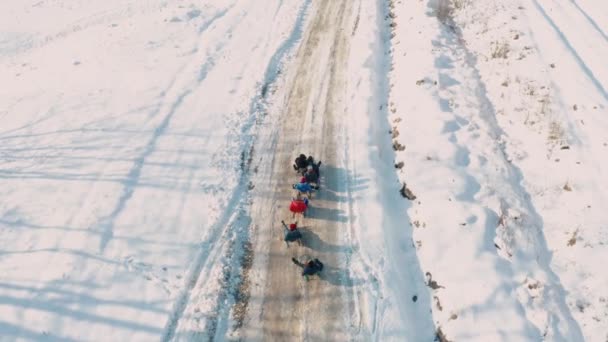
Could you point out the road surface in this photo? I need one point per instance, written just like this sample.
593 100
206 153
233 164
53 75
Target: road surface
282 305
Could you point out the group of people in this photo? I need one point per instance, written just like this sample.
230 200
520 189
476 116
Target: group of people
309 170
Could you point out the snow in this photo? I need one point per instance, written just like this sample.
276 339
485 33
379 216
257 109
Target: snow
385 255
127 130
504 166
124 125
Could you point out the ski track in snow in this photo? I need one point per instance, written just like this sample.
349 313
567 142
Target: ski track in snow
590 20
220 324
585 68
107 223
210 250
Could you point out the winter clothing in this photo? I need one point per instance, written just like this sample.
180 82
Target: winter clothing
315 167
311 267
298 206
291 233
300 162
303 187
311 176
310 160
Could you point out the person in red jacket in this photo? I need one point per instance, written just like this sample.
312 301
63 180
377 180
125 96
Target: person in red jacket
298 205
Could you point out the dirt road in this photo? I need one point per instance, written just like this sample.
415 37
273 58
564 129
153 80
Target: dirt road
282 306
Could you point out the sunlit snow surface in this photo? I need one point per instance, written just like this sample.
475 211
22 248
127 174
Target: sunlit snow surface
125 127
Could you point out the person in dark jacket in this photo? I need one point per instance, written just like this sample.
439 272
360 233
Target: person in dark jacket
311 175
310 267
300 163
292 234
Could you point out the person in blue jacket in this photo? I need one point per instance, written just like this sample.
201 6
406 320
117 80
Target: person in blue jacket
303 187
292 234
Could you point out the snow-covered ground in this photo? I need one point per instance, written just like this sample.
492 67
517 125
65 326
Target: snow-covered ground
124 130
394 302
501 108
129 128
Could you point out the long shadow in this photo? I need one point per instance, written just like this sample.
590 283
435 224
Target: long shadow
75 252
64 311
339 277
332 180
107 223
19 332
131 240
328 214
311 240
329 195
67 297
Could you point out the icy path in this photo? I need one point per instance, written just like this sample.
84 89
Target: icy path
309 105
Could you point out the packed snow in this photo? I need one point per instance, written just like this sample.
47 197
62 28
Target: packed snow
473 143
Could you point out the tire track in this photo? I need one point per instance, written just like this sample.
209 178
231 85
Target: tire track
232 229
289 308
577 57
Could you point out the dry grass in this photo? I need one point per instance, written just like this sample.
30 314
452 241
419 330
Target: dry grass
545 101
573 238
556 132
407 193
459 4
438 303
500 50
243 293
441 336
397 146
394 132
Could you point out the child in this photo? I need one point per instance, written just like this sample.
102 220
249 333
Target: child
292 233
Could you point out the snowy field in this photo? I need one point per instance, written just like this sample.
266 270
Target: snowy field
124 126
132 131
501 109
